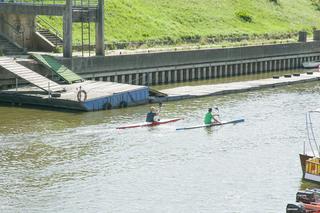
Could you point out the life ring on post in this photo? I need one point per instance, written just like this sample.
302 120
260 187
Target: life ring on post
107 106
123 104
82 96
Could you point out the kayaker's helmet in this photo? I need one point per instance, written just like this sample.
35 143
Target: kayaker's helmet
210 110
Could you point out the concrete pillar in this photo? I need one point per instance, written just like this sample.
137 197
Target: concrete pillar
214 71
149 78
67 30
108 78
163 77
210 72
123 78
101 79
193 74
100 29
138 79
143 81
204 72
240 69
187 75
175 75
115 78
130 80
182 75
169 76
255 67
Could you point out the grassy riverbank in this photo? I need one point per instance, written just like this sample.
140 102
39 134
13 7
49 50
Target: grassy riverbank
202 21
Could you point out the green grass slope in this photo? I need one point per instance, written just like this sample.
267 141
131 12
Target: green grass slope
186 20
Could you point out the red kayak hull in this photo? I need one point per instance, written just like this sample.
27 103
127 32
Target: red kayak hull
150 124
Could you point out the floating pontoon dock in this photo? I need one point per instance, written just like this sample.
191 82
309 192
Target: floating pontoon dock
84 96
187 92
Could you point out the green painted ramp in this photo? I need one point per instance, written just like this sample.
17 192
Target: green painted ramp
66 74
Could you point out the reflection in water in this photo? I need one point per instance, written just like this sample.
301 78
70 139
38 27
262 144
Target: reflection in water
71 162
308 185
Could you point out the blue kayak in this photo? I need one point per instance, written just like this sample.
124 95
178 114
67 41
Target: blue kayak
211 125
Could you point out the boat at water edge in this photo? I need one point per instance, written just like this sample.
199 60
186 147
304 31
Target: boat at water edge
310 162
311 64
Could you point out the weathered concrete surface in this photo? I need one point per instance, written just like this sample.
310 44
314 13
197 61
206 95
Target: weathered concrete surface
234 87
24 26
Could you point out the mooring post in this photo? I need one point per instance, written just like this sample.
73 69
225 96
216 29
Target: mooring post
16 84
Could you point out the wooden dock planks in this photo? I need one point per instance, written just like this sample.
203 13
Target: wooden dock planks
32 77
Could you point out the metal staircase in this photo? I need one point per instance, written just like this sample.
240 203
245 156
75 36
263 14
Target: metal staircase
8 48
49 32
53 38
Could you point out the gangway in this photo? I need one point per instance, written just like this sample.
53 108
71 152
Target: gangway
62 71
30 76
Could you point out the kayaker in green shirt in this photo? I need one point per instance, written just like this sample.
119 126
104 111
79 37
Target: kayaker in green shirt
209 117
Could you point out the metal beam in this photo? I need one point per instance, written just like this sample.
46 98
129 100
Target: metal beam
29 9
100 29
67 30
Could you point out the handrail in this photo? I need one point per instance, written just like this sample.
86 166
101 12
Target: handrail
16 30
52 29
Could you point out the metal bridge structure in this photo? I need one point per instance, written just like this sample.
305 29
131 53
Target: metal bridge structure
72 11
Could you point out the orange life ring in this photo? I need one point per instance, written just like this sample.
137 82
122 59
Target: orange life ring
81 94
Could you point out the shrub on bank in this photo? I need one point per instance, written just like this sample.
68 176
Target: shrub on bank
244 16
316 3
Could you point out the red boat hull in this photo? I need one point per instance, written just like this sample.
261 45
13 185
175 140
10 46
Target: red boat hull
150 124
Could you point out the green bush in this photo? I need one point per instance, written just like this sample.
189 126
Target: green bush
275 1
244 16
316 3
57 49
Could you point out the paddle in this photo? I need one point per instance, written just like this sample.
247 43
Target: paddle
218 115
160 107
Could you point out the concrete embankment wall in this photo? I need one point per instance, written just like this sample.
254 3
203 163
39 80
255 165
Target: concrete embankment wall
179 66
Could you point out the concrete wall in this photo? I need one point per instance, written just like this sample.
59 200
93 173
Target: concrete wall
165 67
22 23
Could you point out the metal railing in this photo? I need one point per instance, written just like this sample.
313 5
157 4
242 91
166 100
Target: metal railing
51 29
77 3
19 34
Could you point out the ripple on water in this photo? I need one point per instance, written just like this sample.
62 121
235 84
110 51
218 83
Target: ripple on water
55 161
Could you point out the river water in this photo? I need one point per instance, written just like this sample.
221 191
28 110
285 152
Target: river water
78 162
